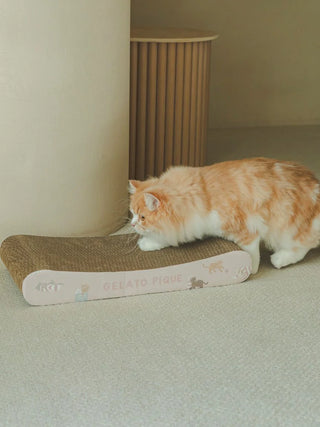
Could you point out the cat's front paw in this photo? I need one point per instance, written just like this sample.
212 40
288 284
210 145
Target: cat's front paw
146 244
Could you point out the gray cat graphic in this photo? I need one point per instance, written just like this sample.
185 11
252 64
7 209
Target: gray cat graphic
196 283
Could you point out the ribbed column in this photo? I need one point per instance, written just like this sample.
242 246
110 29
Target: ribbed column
169 94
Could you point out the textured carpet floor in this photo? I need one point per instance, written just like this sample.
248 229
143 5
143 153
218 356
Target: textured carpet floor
241 355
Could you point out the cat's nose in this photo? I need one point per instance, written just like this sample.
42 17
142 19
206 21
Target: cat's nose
133 224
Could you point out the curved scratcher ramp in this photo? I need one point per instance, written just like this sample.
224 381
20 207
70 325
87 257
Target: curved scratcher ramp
53 270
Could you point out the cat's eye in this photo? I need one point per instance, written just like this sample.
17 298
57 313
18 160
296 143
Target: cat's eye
142 218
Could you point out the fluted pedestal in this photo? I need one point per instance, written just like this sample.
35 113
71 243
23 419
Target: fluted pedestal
169 93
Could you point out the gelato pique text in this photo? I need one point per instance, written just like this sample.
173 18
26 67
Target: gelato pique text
143 282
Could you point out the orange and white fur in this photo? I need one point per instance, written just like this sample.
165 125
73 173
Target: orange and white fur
246 201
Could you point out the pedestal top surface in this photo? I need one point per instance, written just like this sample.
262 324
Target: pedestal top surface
170 35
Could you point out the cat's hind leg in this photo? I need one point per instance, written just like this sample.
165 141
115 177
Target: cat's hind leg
284 257
293 250
252 246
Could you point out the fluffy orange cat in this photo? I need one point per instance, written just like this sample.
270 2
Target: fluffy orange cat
246 201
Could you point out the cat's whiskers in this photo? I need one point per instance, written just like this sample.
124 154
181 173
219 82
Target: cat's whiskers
129 240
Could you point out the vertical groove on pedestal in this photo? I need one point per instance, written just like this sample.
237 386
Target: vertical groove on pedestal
141 110
205 99
198 141
185 138
169 94
193 104
177 142
170 110
133 108
151 109
161 101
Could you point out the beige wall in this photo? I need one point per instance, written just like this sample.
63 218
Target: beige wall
266 63
63 116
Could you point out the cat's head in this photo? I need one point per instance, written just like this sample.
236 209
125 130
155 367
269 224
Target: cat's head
148 206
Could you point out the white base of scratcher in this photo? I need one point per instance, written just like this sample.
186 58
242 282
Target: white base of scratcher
44 287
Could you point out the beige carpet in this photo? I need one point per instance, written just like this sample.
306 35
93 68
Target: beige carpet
241 355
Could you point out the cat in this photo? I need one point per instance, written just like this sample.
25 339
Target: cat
246 201
214 266
196 283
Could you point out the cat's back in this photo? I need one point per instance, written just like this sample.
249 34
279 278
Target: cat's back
241 167
256 177
181 177
258 170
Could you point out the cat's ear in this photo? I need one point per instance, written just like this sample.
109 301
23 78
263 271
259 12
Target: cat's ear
152 202
133 185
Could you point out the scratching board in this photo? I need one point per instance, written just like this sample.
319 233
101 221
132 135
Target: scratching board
53 270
